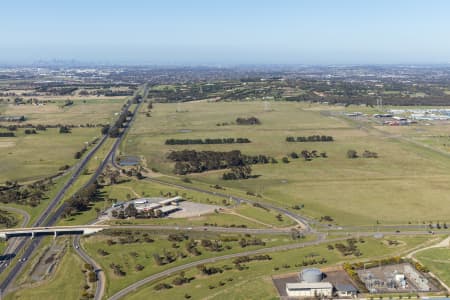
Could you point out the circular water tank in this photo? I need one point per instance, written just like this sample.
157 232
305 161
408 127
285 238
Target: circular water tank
311 275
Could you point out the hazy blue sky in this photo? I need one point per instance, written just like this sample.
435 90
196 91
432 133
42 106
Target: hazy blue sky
226 32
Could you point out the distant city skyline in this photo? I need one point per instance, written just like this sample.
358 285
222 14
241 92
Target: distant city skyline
201 32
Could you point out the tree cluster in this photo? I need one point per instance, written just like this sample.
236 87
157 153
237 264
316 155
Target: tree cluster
239 172
350 249
214 246
7 219
64 129
81 200
248 121
245 259
311 138
31 194
117 269
192 161
251 242
30 131
366 154
207 141
307 155
7 134
209 270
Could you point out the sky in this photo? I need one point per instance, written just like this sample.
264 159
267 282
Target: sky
226 32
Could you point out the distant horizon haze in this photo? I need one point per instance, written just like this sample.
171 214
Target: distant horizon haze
200 32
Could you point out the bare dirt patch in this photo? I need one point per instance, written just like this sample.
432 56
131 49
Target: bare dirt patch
7 144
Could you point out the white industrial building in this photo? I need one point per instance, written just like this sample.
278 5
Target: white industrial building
171 201
147 206
165 210
309 289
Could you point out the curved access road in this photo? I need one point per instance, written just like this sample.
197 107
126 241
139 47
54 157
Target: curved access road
14 242
101 280
25 215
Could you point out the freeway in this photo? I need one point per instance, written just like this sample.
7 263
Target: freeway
19 245
48 219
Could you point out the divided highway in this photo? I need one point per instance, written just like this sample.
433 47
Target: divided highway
47 218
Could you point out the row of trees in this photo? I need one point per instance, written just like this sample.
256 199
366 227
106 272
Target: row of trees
114 130
366 154
81 200
7 134
311 138
41 127
207 141
307 155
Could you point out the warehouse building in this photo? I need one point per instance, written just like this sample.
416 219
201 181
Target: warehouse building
309 289
171 201
165 210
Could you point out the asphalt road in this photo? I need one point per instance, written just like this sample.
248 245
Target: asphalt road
205 229
101 280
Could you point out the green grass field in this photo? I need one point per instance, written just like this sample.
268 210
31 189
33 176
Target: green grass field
255 282
407 183
143 254
28 157
438 261
220 220
94 111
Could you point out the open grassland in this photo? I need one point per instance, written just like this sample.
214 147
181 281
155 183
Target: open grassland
407 183
255 281
438 261
92 111
129 255
28 157
66 283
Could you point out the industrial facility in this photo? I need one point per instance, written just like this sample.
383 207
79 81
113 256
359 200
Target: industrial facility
164 206
150 207
310 285
399 278
313 282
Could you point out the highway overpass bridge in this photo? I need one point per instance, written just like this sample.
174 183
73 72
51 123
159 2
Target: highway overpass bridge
55 231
